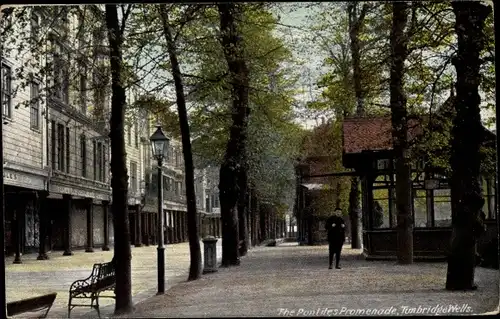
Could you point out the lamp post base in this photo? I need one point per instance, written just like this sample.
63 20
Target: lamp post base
42 256
161 270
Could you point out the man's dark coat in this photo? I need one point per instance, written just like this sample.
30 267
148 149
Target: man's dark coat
335 226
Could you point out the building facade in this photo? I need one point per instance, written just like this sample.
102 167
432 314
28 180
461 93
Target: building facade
56 146
25 172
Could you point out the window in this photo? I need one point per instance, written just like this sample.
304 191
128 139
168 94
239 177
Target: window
207 204
489 195
136 135
442 208
169 184
99 95
80 34
129 135
420 209
154 183
67 149
35 106
99 163
178 188
104 163
53 145
165 183
133 177
61 74
60 147
94 162
83 155
6 91
170 156
215 200
35 27
380 208
83 93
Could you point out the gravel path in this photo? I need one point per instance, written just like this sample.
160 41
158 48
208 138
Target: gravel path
291 280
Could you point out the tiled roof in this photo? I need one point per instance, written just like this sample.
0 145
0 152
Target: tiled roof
372 134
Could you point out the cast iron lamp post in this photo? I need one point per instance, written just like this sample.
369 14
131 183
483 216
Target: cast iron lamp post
159 145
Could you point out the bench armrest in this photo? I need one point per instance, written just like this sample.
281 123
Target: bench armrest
79 283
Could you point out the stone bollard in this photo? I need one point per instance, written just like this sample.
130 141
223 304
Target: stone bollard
210 254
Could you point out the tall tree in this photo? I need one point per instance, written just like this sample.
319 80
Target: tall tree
231 167
467 137
206 77
399 41
194 241
119 180
355 23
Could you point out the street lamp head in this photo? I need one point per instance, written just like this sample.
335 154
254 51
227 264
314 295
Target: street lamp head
159 144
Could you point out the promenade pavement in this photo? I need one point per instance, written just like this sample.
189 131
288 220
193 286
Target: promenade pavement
291 280
37 277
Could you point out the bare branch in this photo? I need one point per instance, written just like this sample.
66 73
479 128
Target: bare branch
125 14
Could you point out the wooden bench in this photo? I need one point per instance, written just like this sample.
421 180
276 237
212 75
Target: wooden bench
31 305
100 280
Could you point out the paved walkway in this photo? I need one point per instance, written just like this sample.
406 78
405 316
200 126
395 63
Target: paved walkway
291 280
35 277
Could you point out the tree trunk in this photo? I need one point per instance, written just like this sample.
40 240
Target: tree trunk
467 138
194 239
269 233
338 194
263 223
119 179
242 213
355 214
355 24
275 226
231 168
253 219
399 119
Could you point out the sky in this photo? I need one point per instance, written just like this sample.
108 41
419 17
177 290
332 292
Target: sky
296 14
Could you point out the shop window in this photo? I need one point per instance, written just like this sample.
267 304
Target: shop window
442 208
489 195
380 209
420 209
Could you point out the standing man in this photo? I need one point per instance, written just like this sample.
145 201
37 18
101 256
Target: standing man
335 226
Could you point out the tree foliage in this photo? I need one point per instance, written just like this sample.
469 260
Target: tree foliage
429 73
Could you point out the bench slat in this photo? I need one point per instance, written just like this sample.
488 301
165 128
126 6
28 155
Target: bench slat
31 304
